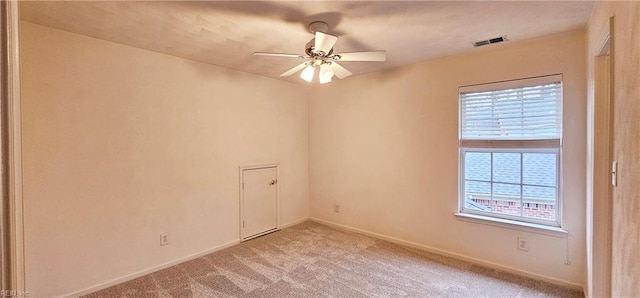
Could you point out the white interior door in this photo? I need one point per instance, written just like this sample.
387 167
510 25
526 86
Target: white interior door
259 201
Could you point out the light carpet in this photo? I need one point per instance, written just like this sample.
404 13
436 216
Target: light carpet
313 260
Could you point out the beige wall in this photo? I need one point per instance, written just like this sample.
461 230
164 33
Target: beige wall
385 147
626 141
122 144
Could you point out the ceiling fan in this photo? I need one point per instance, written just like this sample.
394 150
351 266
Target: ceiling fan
319 55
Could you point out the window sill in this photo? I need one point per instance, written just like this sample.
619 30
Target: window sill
514 225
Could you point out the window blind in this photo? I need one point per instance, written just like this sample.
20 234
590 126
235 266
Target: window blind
518 113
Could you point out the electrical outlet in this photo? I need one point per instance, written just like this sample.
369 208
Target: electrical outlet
523 244
336 208
164 239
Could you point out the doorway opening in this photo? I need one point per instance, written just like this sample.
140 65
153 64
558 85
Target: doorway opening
599 170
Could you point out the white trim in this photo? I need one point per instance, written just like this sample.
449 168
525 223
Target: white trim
241 170
260 234
153 269
457 256
15 149
541 143
259 166
509 84
293 223
604 39
599 147
513 224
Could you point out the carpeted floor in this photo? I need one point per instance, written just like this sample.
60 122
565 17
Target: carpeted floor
313 260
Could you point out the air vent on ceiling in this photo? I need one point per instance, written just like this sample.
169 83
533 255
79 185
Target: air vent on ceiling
490 41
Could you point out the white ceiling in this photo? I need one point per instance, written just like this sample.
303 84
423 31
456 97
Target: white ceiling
227 33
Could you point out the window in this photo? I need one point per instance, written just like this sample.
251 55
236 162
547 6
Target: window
510 141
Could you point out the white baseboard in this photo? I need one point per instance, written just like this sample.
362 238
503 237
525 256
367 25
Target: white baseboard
293 223
149 270
120 280
166 265
480 262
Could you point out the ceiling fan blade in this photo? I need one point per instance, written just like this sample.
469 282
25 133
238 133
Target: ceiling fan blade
363 56
324 42
294 70
279 55
340 71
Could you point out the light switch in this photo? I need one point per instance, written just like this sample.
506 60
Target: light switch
614 173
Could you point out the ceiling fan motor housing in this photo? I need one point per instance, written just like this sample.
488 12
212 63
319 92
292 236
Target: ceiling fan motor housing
309 48
318 26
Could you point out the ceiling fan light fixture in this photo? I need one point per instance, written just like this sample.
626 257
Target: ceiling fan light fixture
324 79
326 73
307 73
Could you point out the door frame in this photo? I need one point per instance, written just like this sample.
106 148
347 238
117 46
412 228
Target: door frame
241 170
600 197
13 259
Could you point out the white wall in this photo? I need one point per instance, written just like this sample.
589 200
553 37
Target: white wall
122 144
385 147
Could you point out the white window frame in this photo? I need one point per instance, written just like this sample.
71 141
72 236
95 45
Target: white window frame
552 150
510 146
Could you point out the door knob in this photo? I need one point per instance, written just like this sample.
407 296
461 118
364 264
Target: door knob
273 182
